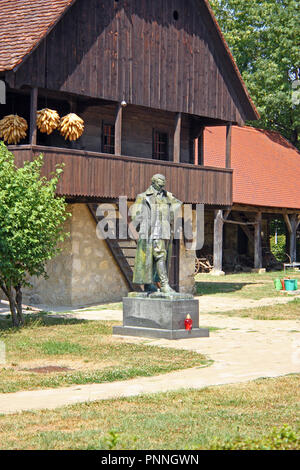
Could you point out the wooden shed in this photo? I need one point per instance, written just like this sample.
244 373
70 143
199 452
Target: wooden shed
265 187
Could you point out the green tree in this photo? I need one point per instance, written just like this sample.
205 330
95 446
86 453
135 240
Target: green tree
31 225
263 36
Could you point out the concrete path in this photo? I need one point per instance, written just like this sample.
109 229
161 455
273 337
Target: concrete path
242 349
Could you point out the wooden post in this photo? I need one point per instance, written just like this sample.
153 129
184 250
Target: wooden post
201 147
292 226
196 143
218 243
228 145
118 130
33 111
176 148
257 242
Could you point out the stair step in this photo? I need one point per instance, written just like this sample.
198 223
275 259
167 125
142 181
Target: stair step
118 249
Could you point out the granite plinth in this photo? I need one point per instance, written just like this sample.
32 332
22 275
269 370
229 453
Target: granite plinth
160 318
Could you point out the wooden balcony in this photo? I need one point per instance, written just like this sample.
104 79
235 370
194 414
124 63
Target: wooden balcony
98 175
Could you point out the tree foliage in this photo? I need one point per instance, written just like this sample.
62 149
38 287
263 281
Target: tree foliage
263 36
31 225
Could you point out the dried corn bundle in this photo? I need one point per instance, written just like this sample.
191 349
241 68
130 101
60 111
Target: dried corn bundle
13 128
71 126
47 120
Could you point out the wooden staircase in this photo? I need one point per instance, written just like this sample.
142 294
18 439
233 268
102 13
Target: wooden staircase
122 250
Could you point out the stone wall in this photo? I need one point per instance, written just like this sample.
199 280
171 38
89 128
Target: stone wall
85 272
96 276
56 290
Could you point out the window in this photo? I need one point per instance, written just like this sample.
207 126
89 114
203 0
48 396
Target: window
175 15
108 138
160 145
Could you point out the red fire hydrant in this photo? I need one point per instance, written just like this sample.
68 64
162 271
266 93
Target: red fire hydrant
188 322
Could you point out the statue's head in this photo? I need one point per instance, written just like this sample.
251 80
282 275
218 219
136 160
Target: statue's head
158 181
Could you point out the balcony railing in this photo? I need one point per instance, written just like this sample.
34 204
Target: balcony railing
98 175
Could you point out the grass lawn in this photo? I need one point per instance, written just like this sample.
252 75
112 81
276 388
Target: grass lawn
215 417
85 350
288 311
244 285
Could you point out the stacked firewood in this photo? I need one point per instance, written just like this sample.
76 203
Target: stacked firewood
204 264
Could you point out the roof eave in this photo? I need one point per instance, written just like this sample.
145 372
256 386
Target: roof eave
14 68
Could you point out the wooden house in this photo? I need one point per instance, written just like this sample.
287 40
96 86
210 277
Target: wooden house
146 78
266 170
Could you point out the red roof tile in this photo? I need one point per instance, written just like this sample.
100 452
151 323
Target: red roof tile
23 23
266 166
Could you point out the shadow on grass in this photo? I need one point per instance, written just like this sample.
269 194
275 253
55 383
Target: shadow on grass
206 288
37 320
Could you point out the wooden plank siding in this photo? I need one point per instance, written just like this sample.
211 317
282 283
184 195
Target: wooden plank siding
95 175
135 50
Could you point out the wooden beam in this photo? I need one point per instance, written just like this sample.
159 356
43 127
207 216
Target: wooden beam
201 147
176 147
264 209
73 104
226 215
196 152
287 222
33 111
237 222
246 230
248 234
292 223
118 130
228 145
257 242
218 241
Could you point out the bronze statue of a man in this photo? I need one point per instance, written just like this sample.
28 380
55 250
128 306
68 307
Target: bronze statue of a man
154 213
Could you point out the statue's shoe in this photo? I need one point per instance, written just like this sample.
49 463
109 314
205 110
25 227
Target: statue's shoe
167 289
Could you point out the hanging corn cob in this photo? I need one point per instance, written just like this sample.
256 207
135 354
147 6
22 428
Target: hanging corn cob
13 128
47 120
71 126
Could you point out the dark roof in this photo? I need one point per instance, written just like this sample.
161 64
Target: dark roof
24 23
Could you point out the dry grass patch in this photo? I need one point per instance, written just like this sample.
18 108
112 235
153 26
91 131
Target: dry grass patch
87 348
287 311
185 419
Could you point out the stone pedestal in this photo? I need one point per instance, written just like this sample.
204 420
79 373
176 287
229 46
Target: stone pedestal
160 318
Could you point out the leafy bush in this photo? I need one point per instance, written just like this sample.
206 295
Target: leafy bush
279 250
279 439
31 225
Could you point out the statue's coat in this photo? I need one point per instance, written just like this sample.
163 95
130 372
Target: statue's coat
144 215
